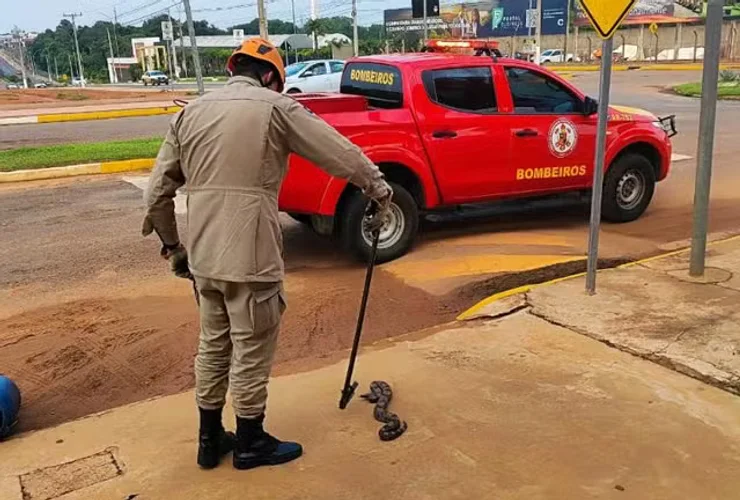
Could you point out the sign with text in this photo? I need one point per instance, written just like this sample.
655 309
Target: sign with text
167 31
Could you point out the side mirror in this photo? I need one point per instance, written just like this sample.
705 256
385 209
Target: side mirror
306 74
590 106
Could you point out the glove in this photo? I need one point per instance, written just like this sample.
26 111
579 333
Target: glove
178 258
379 211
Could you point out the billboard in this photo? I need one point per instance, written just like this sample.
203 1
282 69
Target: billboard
491 18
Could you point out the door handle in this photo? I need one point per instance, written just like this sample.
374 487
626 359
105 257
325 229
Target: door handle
527 132
444 134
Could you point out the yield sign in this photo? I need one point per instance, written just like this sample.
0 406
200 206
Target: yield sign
607 15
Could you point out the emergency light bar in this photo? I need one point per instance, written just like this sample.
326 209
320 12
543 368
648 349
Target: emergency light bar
480 47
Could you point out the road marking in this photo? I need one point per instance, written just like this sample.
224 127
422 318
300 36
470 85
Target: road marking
675 157
141 182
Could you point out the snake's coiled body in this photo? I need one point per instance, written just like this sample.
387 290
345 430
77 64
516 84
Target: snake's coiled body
381 394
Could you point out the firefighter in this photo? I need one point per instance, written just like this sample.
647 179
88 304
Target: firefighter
230 149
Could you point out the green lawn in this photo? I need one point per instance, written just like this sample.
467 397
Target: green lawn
74 154
725 91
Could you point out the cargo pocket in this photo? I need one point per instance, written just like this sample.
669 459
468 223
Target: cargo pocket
267 308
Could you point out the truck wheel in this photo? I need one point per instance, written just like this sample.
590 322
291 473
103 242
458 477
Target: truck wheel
628 188
293 91
396 237
302 218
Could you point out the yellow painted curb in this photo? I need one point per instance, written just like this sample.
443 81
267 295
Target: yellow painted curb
105 115
470 313
110 167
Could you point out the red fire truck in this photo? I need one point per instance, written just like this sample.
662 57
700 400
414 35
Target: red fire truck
449 129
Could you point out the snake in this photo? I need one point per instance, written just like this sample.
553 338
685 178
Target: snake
381 394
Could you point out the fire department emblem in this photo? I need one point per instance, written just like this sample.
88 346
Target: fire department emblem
563 138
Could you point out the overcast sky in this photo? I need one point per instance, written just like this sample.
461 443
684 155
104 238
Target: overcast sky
39 15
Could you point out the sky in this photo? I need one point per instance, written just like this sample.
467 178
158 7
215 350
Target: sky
39 15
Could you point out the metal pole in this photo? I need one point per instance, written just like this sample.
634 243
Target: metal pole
355 40
194 47
567 34
173 50
529 31
74 17
71 68
119 75
56 69
593 236
19 35
426 26
538 20
696 43
295 27
182 45
112 70
707 120
263 18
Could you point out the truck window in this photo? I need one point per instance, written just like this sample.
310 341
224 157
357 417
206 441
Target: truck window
380 83
463 89
535 93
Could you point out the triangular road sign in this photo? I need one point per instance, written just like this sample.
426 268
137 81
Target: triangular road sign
607 15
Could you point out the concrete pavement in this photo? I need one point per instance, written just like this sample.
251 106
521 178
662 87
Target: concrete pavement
524 406
509 409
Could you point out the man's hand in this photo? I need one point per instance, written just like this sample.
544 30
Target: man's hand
380 212
178 258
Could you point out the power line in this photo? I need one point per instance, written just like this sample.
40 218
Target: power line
151 14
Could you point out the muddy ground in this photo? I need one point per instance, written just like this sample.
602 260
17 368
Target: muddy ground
90 318
71 97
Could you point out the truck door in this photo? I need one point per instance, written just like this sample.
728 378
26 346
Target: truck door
552 141
462 132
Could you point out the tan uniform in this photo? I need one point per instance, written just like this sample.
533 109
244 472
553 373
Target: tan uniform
231 148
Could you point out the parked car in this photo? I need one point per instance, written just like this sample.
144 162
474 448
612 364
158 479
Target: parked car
77 82
314 76
12 86
556 56
155 78
451 130
40 85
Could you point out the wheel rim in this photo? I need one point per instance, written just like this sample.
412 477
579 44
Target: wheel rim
391 232
630 189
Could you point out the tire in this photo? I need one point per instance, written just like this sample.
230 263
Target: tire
302 218
401 229
293 91
629 186
145 84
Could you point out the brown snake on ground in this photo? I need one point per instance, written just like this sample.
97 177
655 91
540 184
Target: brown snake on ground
381 394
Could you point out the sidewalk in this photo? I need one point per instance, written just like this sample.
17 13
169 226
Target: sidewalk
519 407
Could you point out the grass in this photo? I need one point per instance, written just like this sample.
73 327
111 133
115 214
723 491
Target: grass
74 154
729 90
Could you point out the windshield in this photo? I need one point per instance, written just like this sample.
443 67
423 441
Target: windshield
156 73
547 52
295 68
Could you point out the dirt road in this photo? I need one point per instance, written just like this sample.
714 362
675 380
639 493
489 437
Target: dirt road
90 318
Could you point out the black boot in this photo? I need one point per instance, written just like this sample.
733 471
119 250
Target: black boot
213 441
255 447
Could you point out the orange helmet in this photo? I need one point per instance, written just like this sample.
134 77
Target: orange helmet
260 49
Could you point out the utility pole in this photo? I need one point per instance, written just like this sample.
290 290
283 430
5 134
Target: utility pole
173 50
56 69
355 40
567 34
194 47
182 45
426 25
74 17
119 75
21 45
48 65
707 122
112 71
263 18
295 27
71 68
538 20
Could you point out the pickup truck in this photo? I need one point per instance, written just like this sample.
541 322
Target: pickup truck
449 130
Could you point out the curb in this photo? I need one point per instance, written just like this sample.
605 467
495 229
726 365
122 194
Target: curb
641 67
110 167
471 313
89 115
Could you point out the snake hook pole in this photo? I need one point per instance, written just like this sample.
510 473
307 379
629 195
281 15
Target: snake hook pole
349 387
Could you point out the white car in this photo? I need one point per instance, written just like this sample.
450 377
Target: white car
555 56
314 76
77 82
